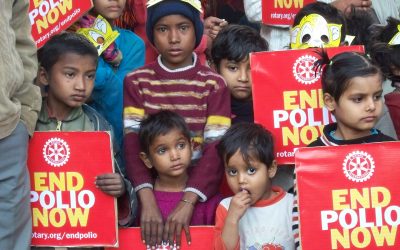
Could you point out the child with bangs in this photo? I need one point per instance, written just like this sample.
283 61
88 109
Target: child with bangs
259 215
352 92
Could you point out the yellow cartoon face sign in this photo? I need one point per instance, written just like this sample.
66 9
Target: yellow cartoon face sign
314 31
396 38
101 34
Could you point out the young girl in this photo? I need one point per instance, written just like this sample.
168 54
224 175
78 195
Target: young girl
123 56
385 51
166 149
352 91
258 216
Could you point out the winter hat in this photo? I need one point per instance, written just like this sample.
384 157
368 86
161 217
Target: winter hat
190 9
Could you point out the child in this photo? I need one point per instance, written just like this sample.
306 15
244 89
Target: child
258 216
385 51
230 54
318 25
176 81
165 143
127 55
67 69
352 91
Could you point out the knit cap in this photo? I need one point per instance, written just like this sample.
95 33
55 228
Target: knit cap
157 9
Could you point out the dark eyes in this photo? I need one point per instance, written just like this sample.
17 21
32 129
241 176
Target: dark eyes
251 171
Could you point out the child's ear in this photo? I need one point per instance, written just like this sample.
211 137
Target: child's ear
42 76
272 169
143 156
330 102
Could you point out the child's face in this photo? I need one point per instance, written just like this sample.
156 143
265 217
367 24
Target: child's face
109 9
170 154
174 38
237 76
359 107
70 80
254 177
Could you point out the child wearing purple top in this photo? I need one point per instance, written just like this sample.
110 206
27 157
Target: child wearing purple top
166 150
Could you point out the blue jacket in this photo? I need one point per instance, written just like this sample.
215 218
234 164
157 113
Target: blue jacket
107 95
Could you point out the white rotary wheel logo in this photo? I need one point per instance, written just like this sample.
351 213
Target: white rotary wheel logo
303 70
358 166
56 152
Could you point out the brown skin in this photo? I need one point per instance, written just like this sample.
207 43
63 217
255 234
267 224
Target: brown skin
345 5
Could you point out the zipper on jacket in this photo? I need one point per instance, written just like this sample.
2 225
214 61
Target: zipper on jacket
59 123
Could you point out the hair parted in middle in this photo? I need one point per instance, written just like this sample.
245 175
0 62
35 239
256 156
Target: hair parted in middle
338 71
252 140
160 123
235 42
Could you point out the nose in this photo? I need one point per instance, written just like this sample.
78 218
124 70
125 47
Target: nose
174 155
174 36
243 75
80 83
241 178
371 105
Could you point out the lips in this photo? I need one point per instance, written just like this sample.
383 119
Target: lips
79 98
175 52
114 8
177 167
369 119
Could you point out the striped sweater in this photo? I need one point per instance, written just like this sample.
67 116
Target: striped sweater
197 94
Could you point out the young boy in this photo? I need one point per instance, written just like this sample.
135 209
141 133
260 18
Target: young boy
259 215
67 69
176 81
166 148
230 55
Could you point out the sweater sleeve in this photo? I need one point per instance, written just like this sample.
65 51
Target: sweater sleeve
28 94
220 217
253 10
132 48
206 176
133 113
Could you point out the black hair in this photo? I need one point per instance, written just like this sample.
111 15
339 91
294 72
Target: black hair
338 71
327 11
359 23
235 42
383 54
160 123
252 140
61 44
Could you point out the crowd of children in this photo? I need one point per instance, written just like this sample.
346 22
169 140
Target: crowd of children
170 119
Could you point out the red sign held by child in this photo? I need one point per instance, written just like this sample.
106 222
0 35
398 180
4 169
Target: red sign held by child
288 99
349 197
50 17
67 208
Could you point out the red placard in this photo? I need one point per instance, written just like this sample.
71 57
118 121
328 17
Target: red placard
349 197
281 12
202 238
67 208
287 97
50 17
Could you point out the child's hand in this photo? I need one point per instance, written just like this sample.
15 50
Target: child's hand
239 204
212 26
177 221
111 184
